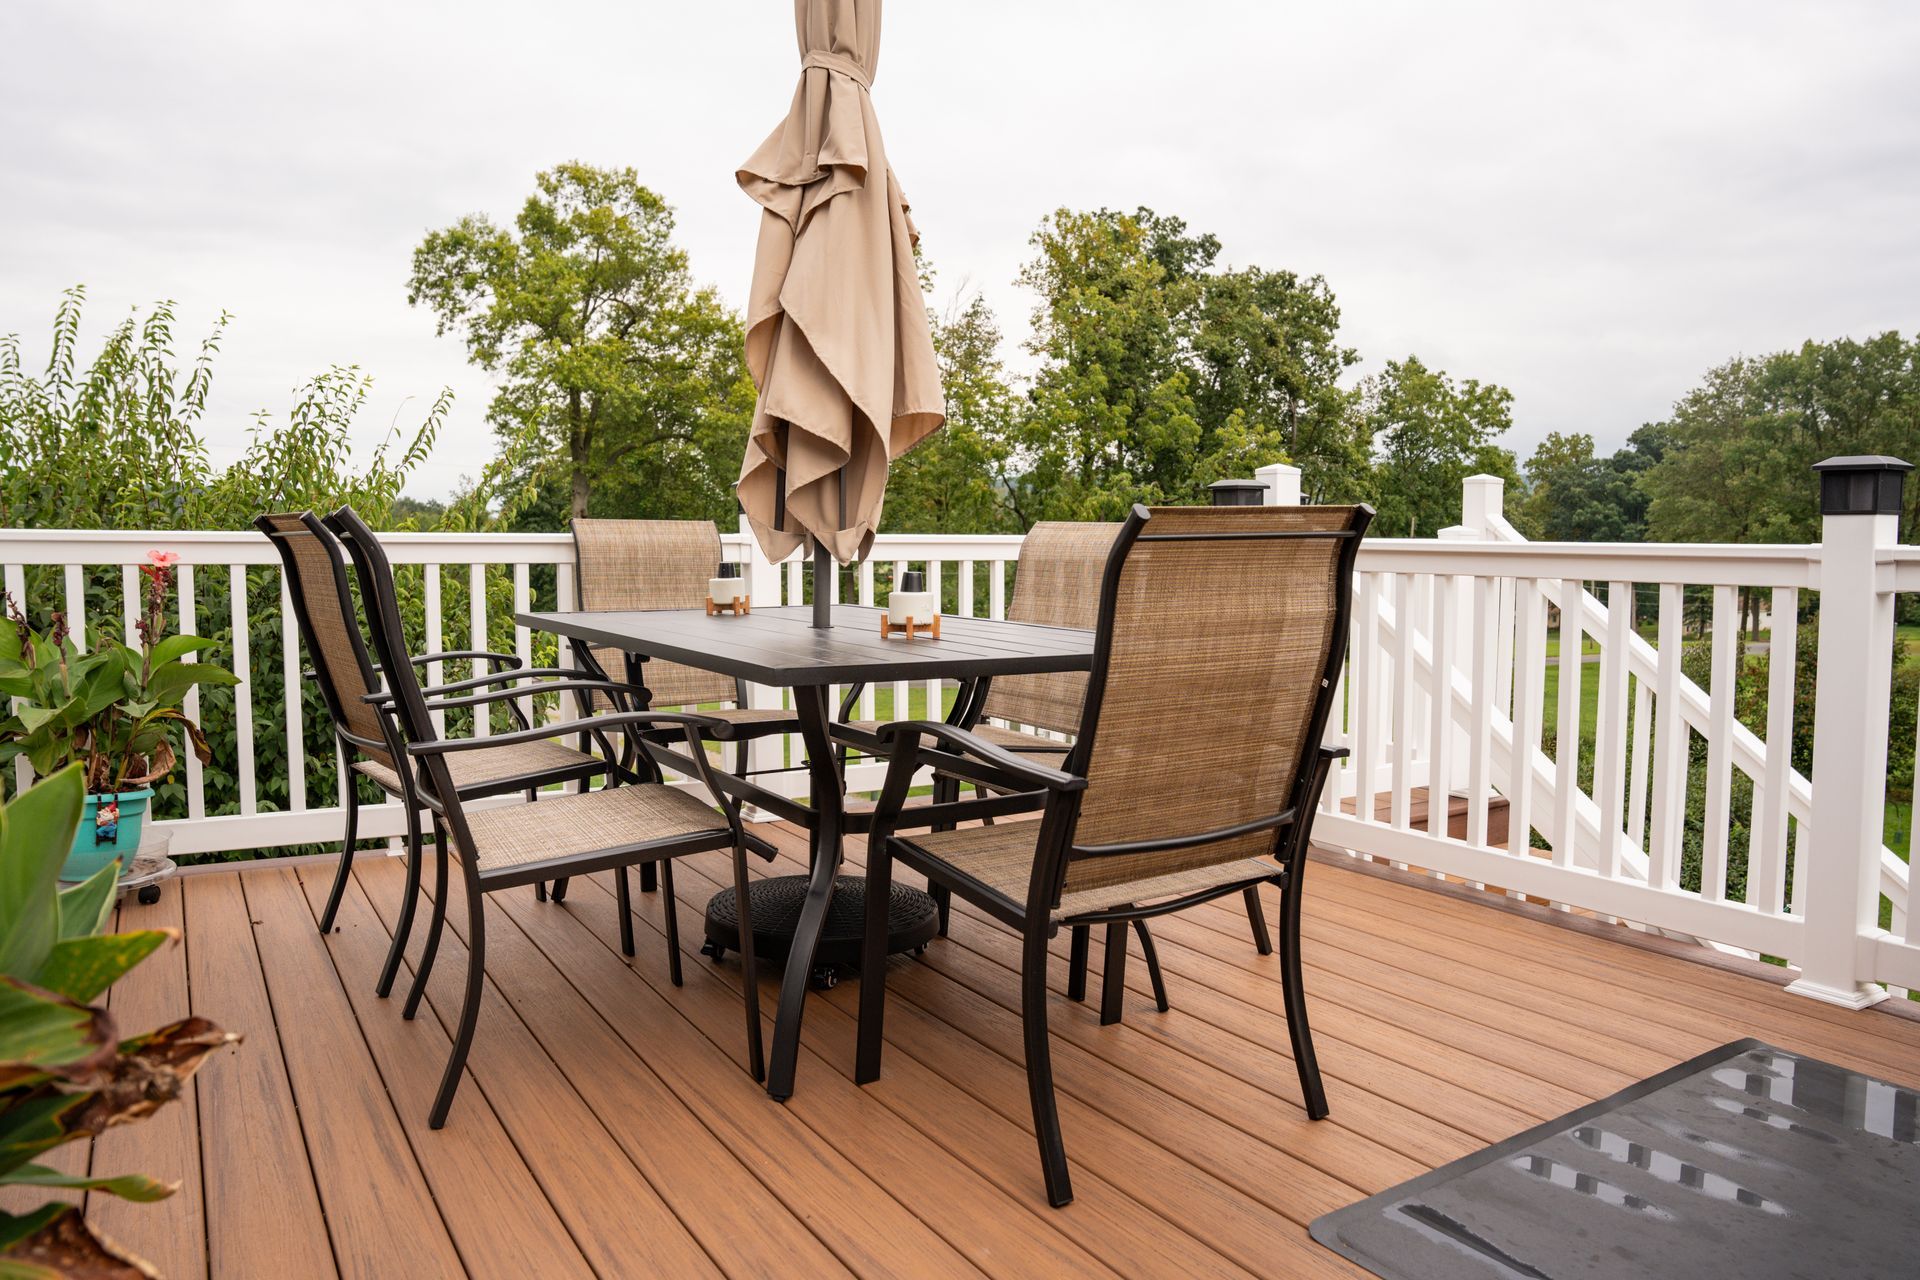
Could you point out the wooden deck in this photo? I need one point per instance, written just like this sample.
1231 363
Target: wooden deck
608 1129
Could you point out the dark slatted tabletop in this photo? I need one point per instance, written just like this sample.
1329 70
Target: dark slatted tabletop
781 646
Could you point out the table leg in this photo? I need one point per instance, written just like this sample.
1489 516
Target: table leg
828 801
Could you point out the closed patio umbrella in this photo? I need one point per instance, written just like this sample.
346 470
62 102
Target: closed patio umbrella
837 336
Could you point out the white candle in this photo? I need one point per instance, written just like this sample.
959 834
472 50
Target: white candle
920 606
725 590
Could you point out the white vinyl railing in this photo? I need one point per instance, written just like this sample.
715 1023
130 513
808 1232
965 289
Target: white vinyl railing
1444 695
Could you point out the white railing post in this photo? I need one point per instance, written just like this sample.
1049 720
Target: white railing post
1283 484
1860 510
763 589
1482 502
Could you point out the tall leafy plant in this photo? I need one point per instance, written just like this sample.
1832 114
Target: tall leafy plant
65 1075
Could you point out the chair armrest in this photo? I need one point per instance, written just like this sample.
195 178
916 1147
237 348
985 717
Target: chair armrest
504 677
971 744
514 691
1334 753
448 655
719 730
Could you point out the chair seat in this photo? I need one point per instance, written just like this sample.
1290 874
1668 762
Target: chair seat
1001 858
487 767
590 822
1011 739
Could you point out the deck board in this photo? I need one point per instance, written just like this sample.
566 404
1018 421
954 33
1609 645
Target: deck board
608 1129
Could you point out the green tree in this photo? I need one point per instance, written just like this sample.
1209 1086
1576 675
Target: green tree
958 479
1574 495
610 358
1429 434
1741 443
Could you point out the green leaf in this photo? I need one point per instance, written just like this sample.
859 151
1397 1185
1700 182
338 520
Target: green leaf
81 968
128 1186
171 682
17 1227
36 835
34 717
41 1033
84 907
32 1125
178 647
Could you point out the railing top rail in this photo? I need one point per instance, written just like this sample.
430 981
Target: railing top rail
1747 565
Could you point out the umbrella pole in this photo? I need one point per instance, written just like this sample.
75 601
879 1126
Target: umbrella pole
822 586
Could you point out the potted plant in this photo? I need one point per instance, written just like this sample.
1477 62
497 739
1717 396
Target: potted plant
112 711
66 1075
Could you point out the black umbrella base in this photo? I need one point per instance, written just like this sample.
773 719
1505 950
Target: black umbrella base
912 922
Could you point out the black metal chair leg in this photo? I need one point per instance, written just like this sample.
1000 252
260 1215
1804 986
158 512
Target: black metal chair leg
1153 965
1077 962
436 923
1257 920
749 970
623 898
558 892
1033 1026
539 890
1113 976
409 899
873 966
345 866
1293 992
469 1009
942 904
672 904
649 878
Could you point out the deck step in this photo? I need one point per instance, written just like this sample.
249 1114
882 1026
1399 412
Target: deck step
1418 806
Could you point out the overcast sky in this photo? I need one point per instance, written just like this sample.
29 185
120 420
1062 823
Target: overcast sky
1588 204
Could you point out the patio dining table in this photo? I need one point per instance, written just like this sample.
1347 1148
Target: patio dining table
779 647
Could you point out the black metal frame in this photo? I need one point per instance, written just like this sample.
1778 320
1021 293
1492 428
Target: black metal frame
351 745
965 754
426 752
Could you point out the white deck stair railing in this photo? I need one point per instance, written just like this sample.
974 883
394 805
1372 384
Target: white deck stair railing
1444 689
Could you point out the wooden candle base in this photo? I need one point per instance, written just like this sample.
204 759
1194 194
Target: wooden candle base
909 628
736 606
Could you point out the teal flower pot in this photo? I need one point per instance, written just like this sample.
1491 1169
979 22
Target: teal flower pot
109 828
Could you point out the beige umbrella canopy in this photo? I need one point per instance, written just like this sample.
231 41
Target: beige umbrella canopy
837 336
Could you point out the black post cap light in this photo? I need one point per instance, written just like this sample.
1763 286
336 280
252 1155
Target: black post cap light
913 580
1867 485
1238 493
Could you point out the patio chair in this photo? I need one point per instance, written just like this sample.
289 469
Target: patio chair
628 822
1058 585
1219 628
665 564
346 676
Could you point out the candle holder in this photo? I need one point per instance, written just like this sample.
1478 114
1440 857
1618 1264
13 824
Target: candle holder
912 609
726 593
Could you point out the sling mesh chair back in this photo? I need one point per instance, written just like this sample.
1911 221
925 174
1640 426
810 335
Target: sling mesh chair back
1194 776
629 822
1058 585
350 682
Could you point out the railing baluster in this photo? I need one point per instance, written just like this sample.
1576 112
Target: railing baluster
293 685
16 585
1566 750
1669 748
130 604
1440 710
902 699
189 626
1767 846
522 636
1529 674
242 692
1610 734
1366 725
866 599
1486 657
1719 810
965 597
936 692
434 644
997 591
76 605
1639 762
1405 606
477 636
